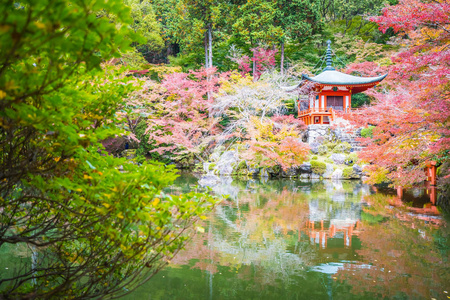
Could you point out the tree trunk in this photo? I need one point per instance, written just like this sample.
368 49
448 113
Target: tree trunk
206 50
360 26
210 46
282 58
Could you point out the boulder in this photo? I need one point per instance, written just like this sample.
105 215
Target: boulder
329 171
337 174
304 176
226 163
314 147
315 176
317 130
263 173
338 158
214 157
253 171
357 169
304 168
291 172
274 171
364 173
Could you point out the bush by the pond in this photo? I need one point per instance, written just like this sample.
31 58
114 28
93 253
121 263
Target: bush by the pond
318 167
241 168
348 173
330 146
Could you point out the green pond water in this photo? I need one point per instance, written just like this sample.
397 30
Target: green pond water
291 239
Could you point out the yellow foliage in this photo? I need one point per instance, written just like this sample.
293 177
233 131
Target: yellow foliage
264 131
228 86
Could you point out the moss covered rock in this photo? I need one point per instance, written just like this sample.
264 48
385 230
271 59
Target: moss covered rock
342 148
241 168
318 167
322 149
349 173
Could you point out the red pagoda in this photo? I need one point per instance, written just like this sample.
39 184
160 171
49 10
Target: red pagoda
333 91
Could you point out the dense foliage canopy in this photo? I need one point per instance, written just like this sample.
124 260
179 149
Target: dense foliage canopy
91 224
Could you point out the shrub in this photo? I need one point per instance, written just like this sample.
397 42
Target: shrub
241 168
329 160
314 157
318 167
342 147
211 166
367 132
330 145
348 173
322 149
351 159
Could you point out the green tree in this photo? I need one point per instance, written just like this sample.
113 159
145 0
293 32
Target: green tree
145 24
298 20
93 224
254 24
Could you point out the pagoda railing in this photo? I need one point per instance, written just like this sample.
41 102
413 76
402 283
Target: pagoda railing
328 110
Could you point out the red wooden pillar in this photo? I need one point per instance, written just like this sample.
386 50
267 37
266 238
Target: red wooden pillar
431 172
400 192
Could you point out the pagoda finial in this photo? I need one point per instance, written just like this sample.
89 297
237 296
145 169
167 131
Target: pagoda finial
329 61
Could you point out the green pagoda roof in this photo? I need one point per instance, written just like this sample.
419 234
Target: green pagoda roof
333 77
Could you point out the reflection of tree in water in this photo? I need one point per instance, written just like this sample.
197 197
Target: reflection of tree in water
260 244
259 228
408 257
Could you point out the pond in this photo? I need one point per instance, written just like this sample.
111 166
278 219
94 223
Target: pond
290 239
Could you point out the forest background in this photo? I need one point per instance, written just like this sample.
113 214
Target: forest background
408 116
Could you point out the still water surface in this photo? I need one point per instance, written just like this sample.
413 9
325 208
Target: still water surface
288 239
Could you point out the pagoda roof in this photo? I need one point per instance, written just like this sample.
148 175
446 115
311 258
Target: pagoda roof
333 77
330 76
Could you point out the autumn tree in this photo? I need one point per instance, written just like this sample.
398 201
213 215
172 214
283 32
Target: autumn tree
255 118
412 112
179 124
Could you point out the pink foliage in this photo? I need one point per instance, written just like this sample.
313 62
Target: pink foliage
285 153
262 57
244 64
182 123
411 114
408 15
